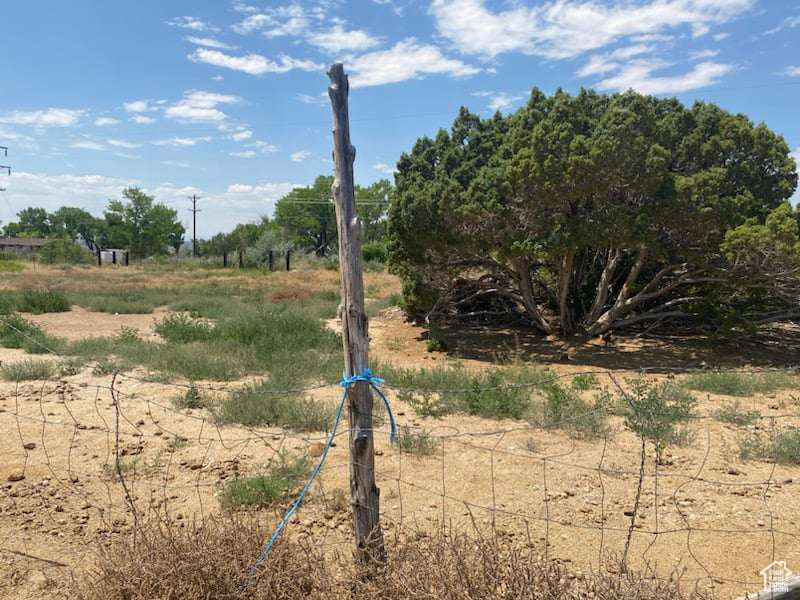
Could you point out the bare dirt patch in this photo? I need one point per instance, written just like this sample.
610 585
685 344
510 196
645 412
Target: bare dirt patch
80 323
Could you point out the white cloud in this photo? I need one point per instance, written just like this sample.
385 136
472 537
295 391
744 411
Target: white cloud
123 144
138 106
253 64
300 156
51 117
405 60
600 64
340 40
718 37
275 22
638 75
238 203
103 121
701 54
192 23
499 100
142 120
244 154
241 135
263 147
567 28
200 107
309 99
792 71
176 163
787 23
182 142
49 191
87 145
209 43
384 168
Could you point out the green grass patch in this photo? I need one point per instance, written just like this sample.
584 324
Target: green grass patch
118 304
255 405
17 332
438 391
182 328
731 383
418 442
736 415
782 447
36 302
281 481
585 382
28 370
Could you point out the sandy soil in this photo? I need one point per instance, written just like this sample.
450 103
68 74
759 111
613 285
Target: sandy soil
569 498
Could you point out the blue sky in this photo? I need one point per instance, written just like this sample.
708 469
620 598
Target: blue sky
226 99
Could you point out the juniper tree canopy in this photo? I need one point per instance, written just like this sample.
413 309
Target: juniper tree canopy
594 212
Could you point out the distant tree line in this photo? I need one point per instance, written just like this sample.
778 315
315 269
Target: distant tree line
137 223
304 221
591 213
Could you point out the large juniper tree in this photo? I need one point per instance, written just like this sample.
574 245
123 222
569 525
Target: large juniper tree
588 212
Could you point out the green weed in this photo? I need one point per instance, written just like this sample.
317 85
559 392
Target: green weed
28 370
280 482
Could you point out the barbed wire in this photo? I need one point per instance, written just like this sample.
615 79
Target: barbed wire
101 460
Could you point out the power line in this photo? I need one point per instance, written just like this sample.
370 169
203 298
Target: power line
194 211
5 167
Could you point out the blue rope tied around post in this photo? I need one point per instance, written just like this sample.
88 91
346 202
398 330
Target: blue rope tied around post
346 382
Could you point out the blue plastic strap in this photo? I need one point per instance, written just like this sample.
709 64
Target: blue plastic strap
346 382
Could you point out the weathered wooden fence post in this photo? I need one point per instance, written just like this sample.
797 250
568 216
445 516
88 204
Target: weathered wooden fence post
224 259
271 260
364 494
113 257
241 259
127 258
288 258
99 257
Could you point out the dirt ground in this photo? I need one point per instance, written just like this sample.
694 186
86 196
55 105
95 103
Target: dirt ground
571 498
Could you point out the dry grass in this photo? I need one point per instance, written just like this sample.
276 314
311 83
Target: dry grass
213 559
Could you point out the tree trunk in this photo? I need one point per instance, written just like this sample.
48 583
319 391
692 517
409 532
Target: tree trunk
603 287
522 268
564 282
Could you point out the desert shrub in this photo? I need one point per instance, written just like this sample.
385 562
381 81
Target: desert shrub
181 328
731 383
656 411
375 251
38 302
191 398
564 409
28 370
281 481
17 332
418 442
585 382
122 304
496 394
736 415
212 558
64 251
258 404
782 447
11 266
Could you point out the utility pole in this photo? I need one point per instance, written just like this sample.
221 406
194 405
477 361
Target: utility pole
194 210
364 494
4 167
